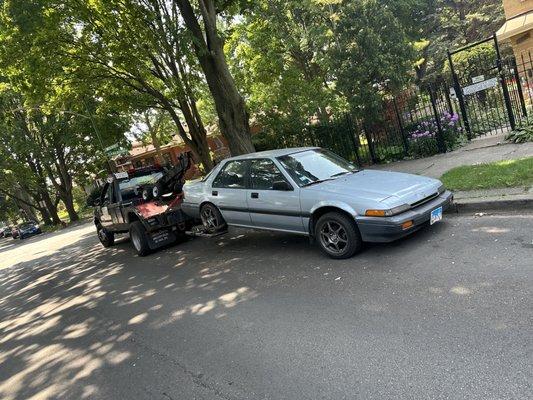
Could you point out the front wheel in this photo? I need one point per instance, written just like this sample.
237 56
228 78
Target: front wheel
338 235
106 238
212 219
139 238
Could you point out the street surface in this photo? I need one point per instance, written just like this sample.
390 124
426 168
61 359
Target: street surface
444 314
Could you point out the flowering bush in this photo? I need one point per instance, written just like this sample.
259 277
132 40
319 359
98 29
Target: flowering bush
423 137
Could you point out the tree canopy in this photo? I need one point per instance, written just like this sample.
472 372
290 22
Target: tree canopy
76 75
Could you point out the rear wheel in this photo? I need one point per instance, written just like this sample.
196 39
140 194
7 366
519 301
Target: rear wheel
139 238
338 235
106 238
212 219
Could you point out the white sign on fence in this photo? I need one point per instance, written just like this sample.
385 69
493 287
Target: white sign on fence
478 87
479 78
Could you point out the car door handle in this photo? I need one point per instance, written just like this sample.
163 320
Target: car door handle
255 195
214 193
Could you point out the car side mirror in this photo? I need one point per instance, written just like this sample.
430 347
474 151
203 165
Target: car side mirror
282 186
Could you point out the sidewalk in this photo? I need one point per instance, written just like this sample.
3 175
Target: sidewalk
478 151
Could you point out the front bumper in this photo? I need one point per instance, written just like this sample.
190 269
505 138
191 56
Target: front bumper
388 229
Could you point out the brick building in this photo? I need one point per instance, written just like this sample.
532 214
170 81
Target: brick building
518 27
142 155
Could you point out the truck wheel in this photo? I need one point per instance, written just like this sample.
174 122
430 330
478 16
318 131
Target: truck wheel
138 238
106 238
212 219
337 235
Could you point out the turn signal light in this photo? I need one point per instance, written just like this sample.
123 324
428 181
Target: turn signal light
407 225
375 213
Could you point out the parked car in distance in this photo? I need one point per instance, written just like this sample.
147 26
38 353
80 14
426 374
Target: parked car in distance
27 229
4 230
314 192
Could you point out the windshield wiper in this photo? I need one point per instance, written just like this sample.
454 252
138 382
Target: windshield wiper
344 173
317 181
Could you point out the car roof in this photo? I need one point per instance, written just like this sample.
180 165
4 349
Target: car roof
271 153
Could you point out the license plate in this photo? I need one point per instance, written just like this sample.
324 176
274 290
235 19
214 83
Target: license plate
436 215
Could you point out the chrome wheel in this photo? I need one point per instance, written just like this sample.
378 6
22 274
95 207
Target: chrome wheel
209 219
333 237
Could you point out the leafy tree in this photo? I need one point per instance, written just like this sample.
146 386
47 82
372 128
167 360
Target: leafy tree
201 21
373 54
449 24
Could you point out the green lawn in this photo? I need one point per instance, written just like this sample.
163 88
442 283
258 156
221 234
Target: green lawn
500 174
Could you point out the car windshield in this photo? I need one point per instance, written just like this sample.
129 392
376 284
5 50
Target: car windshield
27 225
128 186
313 166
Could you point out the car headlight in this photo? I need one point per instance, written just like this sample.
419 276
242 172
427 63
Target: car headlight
388 213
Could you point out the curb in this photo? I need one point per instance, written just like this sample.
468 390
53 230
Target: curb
492 205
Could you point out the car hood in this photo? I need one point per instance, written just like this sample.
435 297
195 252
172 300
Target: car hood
392 188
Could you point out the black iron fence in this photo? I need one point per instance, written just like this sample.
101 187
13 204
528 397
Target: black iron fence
486 97
417 123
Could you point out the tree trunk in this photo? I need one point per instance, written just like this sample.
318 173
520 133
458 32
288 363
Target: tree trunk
230 106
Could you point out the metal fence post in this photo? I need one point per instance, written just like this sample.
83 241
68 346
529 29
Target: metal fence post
519 88
441 144
506 96
400 125
460 97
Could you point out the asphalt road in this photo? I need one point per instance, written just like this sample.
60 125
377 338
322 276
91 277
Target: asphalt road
444 314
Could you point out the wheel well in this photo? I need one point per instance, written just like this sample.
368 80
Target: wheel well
132 217
206 202
320 212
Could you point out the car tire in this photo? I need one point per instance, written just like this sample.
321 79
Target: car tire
106 238
212 219
337 235
139 238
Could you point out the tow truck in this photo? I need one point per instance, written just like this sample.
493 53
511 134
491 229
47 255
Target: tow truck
146 203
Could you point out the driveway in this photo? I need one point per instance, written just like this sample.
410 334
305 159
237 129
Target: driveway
444 314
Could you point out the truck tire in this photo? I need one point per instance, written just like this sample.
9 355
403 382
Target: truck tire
337 235
212 219
106 238
139 239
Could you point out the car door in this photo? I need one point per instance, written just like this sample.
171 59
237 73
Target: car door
105 202
228 192
116 208
271 207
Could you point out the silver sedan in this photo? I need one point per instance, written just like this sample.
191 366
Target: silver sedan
314 192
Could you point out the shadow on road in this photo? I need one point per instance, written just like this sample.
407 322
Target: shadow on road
68 317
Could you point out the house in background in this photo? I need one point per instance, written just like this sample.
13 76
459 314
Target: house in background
142 155
518 30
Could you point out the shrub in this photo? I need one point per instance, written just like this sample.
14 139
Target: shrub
521 135
423 135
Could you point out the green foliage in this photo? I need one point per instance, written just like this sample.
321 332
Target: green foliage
447 25
473 61
521 135
500 174
371 55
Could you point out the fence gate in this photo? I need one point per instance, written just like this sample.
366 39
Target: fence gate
487 88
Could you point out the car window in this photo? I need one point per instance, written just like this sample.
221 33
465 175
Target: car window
263 174
307 167
233 175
